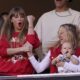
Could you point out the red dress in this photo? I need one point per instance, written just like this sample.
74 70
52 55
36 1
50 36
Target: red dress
54 53
16 64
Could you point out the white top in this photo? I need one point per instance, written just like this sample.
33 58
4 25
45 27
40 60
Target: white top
41 66
49 23
72 67
64 70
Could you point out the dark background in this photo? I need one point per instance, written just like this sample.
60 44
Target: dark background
35 7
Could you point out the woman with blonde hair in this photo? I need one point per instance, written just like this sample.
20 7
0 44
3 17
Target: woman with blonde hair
16 34
67 32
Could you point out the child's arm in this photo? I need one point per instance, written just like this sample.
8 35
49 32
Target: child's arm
74 59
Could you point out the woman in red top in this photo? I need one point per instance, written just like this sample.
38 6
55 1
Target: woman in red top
67 32
15 34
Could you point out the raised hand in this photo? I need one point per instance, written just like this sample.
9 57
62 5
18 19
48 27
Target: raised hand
30 19
68 55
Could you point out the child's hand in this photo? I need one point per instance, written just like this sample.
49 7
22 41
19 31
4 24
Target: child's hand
74 60
27 47
54 61
68 55
60 64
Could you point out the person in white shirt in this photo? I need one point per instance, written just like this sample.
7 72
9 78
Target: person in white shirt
67 32
67 55
48 24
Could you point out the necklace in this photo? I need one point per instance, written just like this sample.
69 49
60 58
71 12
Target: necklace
65 15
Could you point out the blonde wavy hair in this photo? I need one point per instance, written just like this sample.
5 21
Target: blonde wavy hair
72 35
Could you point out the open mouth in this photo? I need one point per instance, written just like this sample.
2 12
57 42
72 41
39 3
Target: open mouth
66 52
20 24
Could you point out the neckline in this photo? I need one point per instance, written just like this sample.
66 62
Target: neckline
15 34
63 13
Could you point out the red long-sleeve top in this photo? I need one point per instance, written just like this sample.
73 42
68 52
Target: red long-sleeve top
19 63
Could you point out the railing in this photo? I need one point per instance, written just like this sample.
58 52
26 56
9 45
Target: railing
55 76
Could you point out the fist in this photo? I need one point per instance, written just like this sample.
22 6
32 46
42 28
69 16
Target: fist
68 55
30 19
27 47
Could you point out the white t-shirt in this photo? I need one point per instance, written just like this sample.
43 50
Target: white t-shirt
49 23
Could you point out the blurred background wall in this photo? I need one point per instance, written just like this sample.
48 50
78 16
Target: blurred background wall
35 7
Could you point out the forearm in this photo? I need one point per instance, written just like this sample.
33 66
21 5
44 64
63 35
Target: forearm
40 66
12 51
30 29
30 19
70 67
74 61
35 64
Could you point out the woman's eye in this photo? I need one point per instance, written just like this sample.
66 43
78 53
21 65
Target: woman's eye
22 16
61 33
70 48
16 16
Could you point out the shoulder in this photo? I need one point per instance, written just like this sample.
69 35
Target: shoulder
74 56
74 12
47 14
3 37
55 51
3 41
